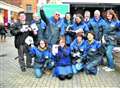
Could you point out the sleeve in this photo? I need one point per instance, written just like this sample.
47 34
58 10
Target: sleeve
98 45
43 16
32 51
86 29
118 24
105 27
66 52
43 24
62 33
15 30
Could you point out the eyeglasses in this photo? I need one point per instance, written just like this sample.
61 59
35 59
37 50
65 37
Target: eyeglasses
57 14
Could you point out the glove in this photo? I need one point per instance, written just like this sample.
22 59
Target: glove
22 30
73 55
52 63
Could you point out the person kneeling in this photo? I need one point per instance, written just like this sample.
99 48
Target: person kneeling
63 66
42 60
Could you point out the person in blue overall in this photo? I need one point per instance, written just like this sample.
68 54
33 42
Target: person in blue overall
39 28
92 54
87 18
111 38
63 66
78 49
54 24
42 61
118 33
79 24
67 22
97 25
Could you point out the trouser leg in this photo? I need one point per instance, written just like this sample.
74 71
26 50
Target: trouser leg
21 57
109 55
28 57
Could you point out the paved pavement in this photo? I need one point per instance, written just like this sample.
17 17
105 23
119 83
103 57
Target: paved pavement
12 77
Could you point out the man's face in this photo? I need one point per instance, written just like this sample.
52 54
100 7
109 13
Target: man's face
68 16
97 15
22 17
36 18
56 16
87 16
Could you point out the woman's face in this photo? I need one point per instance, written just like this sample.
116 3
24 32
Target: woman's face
79 38
77 19
62 43
68 16
90 36
42 44
109 16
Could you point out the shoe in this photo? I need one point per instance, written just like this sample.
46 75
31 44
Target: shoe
47 72
105 67
23 69
109 69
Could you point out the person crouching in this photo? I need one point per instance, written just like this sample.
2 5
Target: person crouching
63 67
42 60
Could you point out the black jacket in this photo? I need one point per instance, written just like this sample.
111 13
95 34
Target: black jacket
19 36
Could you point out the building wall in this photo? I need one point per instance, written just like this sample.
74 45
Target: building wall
25 2
13 2
55 1
9 9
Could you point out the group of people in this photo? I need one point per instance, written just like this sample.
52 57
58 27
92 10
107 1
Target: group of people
66 46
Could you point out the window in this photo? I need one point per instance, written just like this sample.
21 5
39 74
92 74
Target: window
29 8
1 11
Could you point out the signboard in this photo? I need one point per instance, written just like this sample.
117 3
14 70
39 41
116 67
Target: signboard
50 9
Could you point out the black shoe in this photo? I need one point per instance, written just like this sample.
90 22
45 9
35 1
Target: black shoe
23 69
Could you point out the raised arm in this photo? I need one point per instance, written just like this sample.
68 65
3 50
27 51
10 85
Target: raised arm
43 16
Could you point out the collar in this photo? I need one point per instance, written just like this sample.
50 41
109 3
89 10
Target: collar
90 42
42 49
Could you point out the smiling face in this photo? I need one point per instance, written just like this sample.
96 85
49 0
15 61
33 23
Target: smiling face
90 36
97 14
62 43
109 16
22 17
79 39
87 15
77 19
42 44
56 16
67 16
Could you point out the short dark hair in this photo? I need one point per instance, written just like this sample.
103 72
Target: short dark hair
80 16
91 33
22 12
